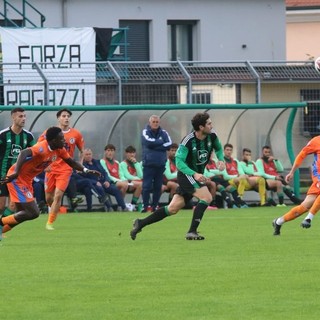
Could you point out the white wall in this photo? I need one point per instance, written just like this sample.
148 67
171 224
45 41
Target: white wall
224 25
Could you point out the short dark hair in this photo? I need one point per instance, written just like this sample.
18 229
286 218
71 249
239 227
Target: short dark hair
63 110
199 119
109 146
246 150
130 149
266 147
18 109
228 145
52 133
174 146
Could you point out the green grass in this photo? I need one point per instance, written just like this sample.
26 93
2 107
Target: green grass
89 268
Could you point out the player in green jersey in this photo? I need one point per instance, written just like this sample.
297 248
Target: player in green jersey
12 140
191 159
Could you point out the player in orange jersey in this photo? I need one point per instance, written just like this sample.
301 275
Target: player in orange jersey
59 173
30 163
312 200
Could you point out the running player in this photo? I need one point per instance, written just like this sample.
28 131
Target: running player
191 159
58 174
30 163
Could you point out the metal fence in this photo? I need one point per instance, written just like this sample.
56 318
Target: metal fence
109 83
166 83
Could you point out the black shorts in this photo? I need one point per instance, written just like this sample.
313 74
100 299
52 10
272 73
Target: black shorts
4 190
220 181
187 186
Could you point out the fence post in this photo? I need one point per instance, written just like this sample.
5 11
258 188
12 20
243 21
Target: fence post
46 83
116 74
189 81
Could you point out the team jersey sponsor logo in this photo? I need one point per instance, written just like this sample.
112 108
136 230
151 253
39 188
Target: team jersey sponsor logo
15 150
203 156
29 195
72 140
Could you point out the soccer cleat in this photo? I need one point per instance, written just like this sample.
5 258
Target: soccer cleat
49 226
194 236
136 229
276 228
130 207
306 223
271 202
76 200
281 205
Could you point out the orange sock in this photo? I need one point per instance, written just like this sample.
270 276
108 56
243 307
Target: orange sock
6 228
9 220
294 213
52 217
315 207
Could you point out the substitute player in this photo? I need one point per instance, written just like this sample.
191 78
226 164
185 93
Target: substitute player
12 140
312 200
30 163
59 173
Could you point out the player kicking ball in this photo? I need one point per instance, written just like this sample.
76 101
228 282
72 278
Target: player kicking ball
192 156
30 163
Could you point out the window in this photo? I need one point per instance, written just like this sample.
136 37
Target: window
201 97
138 39
180 39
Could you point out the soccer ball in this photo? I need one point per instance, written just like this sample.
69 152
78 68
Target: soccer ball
317 64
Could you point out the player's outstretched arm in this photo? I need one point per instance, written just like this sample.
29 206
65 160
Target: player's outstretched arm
79 167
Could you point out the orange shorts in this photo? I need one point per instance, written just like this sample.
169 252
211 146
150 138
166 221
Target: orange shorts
20 191
313 188
56 180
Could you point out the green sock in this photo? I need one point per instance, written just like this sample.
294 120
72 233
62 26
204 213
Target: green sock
134 200
156 216
280 197
197 215
7 212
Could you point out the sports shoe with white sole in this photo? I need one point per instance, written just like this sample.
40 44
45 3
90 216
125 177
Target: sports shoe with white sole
276 228
306 223
136 229
49 227
194 236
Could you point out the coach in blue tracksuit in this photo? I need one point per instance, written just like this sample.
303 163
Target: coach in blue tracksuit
155 143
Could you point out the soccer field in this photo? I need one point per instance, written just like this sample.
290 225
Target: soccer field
89 268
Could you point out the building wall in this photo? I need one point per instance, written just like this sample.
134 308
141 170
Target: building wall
226 30
303 28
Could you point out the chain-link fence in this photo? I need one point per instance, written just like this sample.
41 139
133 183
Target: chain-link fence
165 83
108 83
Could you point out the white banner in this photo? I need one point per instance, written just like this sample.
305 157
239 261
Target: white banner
65 73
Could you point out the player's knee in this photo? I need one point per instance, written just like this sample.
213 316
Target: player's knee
173 208
208 198
33 213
